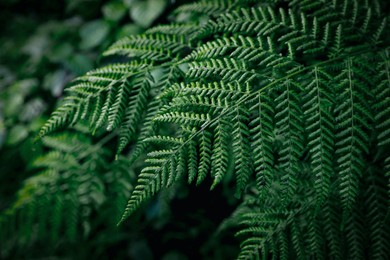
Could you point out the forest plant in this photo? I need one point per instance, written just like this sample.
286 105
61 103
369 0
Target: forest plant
74 179
292 97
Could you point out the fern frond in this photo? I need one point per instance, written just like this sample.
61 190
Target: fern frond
291 98
228 70
60 199
100 86
152 47
146 131
213 7
259 50
183 118
174 29
242 149
289 129
205 151
382 106
355 235
376 200
169 75
135 107
162 171
304 34
244 20
314 239
220 152
353 128
262 139
297 238
60 118
331 218
318 103
192 158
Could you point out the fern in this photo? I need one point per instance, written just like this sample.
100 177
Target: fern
291 97
58 202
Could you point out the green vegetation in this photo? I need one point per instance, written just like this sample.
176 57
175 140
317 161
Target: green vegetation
265 119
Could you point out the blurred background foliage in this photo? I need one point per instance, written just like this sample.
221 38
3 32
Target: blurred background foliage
44 45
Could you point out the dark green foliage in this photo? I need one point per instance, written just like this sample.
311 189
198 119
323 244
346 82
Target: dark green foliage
292 98
74 180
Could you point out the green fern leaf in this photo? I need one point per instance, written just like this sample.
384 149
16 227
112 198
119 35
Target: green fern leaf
289 129
205 151
220 151
262 138
242 149
320 121
353 121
